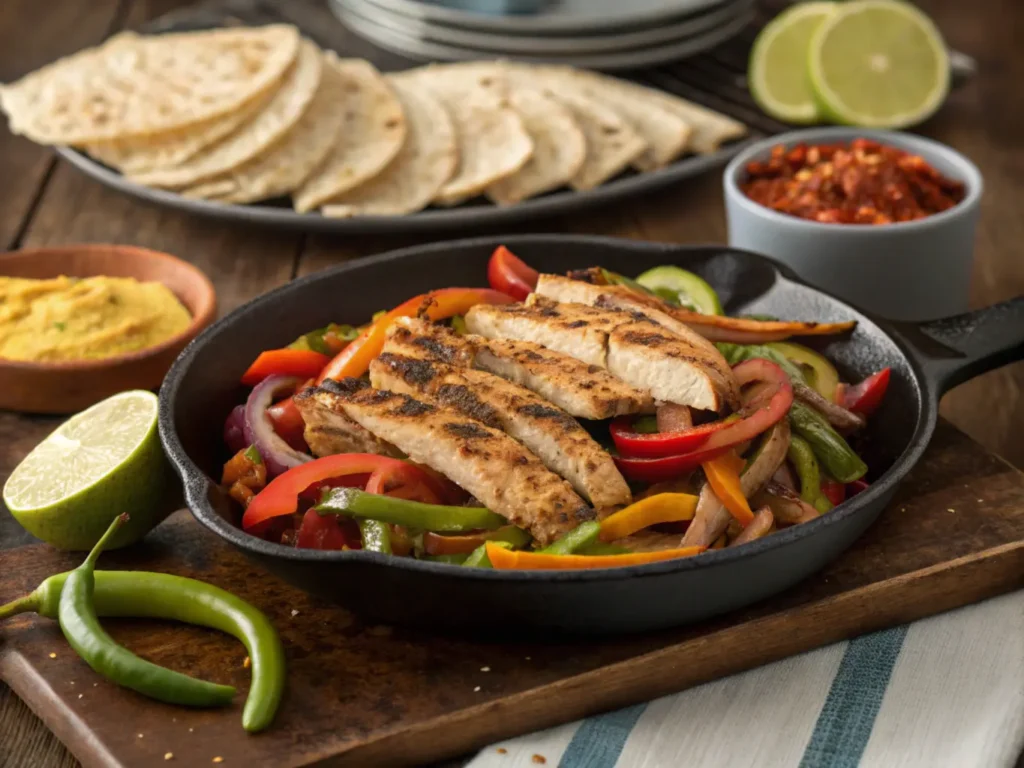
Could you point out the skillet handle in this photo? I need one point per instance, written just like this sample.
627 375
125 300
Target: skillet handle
952 350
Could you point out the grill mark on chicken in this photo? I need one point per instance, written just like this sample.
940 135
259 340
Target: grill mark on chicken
583 390
548 432
466 430
489 464
461 398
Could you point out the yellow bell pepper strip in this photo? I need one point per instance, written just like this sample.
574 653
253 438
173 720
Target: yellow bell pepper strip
442 304
723 473
503 559
660 508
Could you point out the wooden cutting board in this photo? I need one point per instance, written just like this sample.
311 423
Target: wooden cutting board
365 694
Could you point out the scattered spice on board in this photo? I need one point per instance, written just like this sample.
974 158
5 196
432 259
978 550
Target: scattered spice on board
502 751
539 759
168 755
864 183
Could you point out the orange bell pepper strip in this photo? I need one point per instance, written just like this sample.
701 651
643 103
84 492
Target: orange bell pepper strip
303 363
660 508
442 304
723 473
505 559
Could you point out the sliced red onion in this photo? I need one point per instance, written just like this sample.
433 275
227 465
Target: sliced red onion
234 430
259 431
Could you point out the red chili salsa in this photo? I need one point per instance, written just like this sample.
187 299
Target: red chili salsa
863 183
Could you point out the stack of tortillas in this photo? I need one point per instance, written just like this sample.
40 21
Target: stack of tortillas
243 115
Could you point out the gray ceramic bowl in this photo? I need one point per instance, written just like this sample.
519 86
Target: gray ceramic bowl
914 270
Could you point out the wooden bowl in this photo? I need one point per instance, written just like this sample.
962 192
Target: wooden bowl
67 387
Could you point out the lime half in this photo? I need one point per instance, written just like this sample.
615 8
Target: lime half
683 288
96 465
777 75
879 64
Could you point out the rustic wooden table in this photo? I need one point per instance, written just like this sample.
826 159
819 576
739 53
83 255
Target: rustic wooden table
45 202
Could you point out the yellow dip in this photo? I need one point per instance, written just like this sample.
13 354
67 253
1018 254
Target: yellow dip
85 318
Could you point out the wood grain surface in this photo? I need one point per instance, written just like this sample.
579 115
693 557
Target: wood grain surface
48 203
364 694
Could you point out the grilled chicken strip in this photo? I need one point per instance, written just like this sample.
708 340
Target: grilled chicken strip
632 348
329 431
620 297
489 464
584 391
550 433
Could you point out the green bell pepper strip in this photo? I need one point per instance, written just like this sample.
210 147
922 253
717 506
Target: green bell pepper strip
459 325
806 466
478 557
825 378
375 535
315 341
834 453
412 514
581 536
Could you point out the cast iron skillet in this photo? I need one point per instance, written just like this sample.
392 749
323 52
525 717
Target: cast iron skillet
926 360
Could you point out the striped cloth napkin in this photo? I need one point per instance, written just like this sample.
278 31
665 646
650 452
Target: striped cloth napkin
944 691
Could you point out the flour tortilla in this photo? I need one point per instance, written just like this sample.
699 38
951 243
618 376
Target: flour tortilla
372 135
138 154
280 115
492 141
559 148
665 132
710 129
134 85
427 160
294 157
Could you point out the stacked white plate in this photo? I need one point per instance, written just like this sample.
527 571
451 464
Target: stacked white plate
597 34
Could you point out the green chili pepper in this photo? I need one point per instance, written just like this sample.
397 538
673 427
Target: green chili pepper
478 557
835 454
581 536
140 594
376 536
806 466
80 624
252 453
411 514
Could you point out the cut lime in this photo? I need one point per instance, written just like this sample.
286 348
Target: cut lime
878 63
777 75
683 288
96 465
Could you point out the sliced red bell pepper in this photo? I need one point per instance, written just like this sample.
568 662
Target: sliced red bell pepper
865 397
767 407
833 490
666 467
509 274
442 304
303 363
288 422
723 474
326 532
652 446
281 496
405 481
